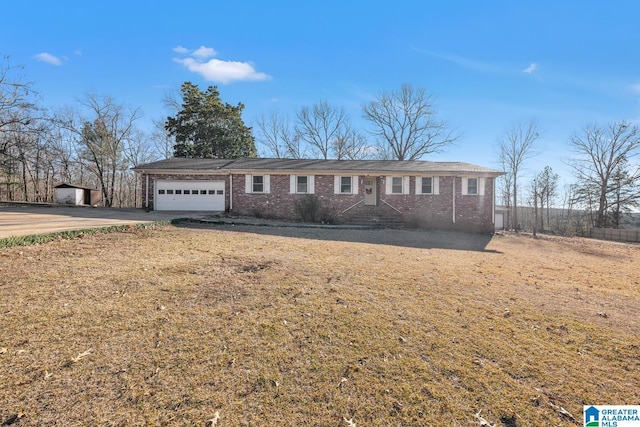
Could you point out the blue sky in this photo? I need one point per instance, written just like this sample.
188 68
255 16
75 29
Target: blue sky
490 64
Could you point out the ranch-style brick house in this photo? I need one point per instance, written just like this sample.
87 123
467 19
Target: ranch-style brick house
434 195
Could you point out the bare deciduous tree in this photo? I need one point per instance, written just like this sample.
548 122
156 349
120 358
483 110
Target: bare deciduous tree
352 145
328 131
162 140
279 137
15 103
405 125
102 131
515 147
603 169
546 187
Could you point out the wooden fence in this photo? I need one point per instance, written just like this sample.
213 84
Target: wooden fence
617 234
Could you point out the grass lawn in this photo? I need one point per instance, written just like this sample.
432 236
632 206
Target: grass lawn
264 326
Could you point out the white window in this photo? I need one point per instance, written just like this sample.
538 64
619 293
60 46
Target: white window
302 184
428 185
345 184
257 184
473 186
397 185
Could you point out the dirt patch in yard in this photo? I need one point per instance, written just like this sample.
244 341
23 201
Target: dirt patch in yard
284 326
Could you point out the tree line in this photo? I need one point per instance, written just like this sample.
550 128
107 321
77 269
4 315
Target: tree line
95 143
605 166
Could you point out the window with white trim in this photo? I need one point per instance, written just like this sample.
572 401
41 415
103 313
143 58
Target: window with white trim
426 185
345 184
257 184
397 185
302 184
473 186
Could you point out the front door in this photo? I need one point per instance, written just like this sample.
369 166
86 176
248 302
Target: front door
370 191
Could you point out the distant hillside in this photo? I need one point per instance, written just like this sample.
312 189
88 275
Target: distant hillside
631 220
563 221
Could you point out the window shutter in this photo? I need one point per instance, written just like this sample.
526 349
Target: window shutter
336 184
435 185
267 184
465 186
311 187
405 185
419 184
354 184
481 186
248 183
388 185
293 184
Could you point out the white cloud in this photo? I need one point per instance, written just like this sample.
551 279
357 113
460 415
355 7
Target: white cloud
180 49
48 58
217 70
636 88
204 52
224 72
529 70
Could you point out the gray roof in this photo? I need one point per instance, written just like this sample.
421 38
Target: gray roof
182 165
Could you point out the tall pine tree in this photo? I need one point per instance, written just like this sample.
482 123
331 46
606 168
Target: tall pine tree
206 127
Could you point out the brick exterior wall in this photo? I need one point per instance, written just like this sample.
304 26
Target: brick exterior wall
431 211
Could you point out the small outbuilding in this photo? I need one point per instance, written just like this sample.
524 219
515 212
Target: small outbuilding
502 217
67 194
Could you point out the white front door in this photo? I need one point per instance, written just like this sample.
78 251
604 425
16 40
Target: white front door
183 195
370 191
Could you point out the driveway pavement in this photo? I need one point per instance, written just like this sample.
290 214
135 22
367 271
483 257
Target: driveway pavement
23 220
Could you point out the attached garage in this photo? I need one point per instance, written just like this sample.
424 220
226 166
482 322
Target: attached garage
189 195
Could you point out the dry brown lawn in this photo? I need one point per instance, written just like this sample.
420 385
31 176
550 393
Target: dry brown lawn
264 326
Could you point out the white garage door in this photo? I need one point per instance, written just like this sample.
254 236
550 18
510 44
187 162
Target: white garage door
189 196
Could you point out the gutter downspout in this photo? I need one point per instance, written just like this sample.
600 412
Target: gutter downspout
454 199
146 191
230 191
493 207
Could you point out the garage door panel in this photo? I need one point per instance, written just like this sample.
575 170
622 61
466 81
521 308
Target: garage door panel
182 195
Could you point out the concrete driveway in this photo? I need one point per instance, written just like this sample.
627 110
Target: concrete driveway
23 220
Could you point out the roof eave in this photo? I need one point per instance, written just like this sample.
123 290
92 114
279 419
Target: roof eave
315 172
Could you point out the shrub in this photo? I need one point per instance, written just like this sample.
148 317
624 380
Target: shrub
308 208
